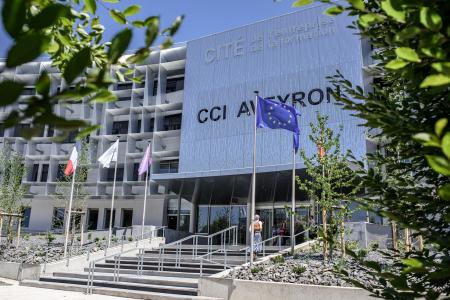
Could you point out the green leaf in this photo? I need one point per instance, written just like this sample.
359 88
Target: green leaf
407 33
48 16
120 76
27 48
435 80
139 56
86 131
138 23
438 53
397 64
13 16
131 10
439 164
393 9
43 84
91 6
151 33
430 19
117 16
334 10
439 126
119 44
174 27
9 91
76 65
367 19
444 192
412 262
300 3
446 144
103 96
358 4
442 67
407 54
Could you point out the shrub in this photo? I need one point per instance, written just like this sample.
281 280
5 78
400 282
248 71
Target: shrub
114 238
362 253
256 269
26 236
89 236
104 238
278 259
79 238
130 238
298 269
96 239
352 245
374 245
49 237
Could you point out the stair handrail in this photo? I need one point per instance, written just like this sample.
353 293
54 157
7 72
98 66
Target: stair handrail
195 237
91 271
203 258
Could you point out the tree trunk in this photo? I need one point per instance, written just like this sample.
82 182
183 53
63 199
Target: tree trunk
342 232
9 231
420 238
325 234
394 235
407 240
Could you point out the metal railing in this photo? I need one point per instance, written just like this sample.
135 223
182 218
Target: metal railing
279 238
228 235
117 257
203 258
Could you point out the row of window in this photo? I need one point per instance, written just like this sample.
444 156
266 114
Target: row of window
92 218
165 167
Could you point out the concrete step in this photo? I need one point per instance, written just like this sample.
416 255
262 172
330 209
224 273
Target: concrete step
193 269
145 287
146 272
155 280
232 260
112 291
199 253
168 263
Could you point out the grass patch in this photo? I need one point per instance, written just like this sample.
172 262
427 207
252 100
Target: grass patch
256 269
298 269
278 259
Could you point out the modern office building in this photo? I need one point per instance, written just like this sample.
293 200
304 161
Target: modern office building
195 107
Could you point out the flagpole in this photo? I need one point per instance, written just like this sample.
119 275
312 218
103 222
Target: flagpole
112 198
293 203
253 210
145 200
69 213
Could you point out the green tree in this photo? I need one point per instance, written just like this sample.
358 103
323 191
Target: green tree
331 183
407 112
12 171
71 34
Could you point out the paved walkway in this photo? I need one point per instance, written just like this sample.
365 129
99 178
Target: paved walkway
11 290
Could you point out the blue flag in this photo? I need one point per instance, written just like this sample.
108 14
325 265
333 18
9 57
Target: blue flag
275 115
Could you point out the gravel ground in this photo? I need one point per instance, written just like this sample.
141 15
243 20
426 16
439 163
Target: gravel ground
307 268
34 251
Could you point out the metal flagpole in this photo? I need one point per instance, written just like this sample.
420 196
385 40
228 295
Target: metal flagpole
145 202
253 210
112 198
293 203
69 213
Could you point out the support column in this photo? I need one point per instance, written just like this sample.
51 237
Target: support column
194 207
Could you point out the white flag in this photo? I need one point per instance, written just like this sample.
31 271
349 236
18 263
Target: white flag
109 156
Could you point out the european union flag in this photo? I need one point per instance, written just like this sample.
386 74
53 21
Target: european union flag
275 115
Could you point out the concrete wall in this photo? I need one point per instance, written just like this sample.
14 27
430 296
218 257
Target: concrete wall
233 289
19 271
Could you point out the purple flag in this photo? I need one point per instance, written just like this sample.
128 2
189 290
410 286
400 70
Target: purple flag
145 162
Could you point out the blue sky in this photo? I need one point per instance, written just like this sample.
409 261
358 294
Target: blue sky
202 17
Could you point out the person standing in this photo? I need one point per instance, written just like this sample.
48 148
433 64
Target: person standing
282 231
257 229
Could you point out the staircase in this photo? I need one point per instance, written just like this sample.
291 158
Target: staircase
169 272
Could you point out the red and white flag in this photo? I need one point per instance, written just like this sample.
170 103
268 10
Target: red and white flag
73 160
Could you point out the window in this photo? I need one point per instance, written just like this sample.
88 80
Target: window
124 86
28 91
2 129
18 130
50 131
58 218
172 122
135 172
92 219
26 211
34 173
71 137
60 173
174 84
106 220
110 175
120 127
169 166
127 217
155 88
124 98
138 126
44 173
